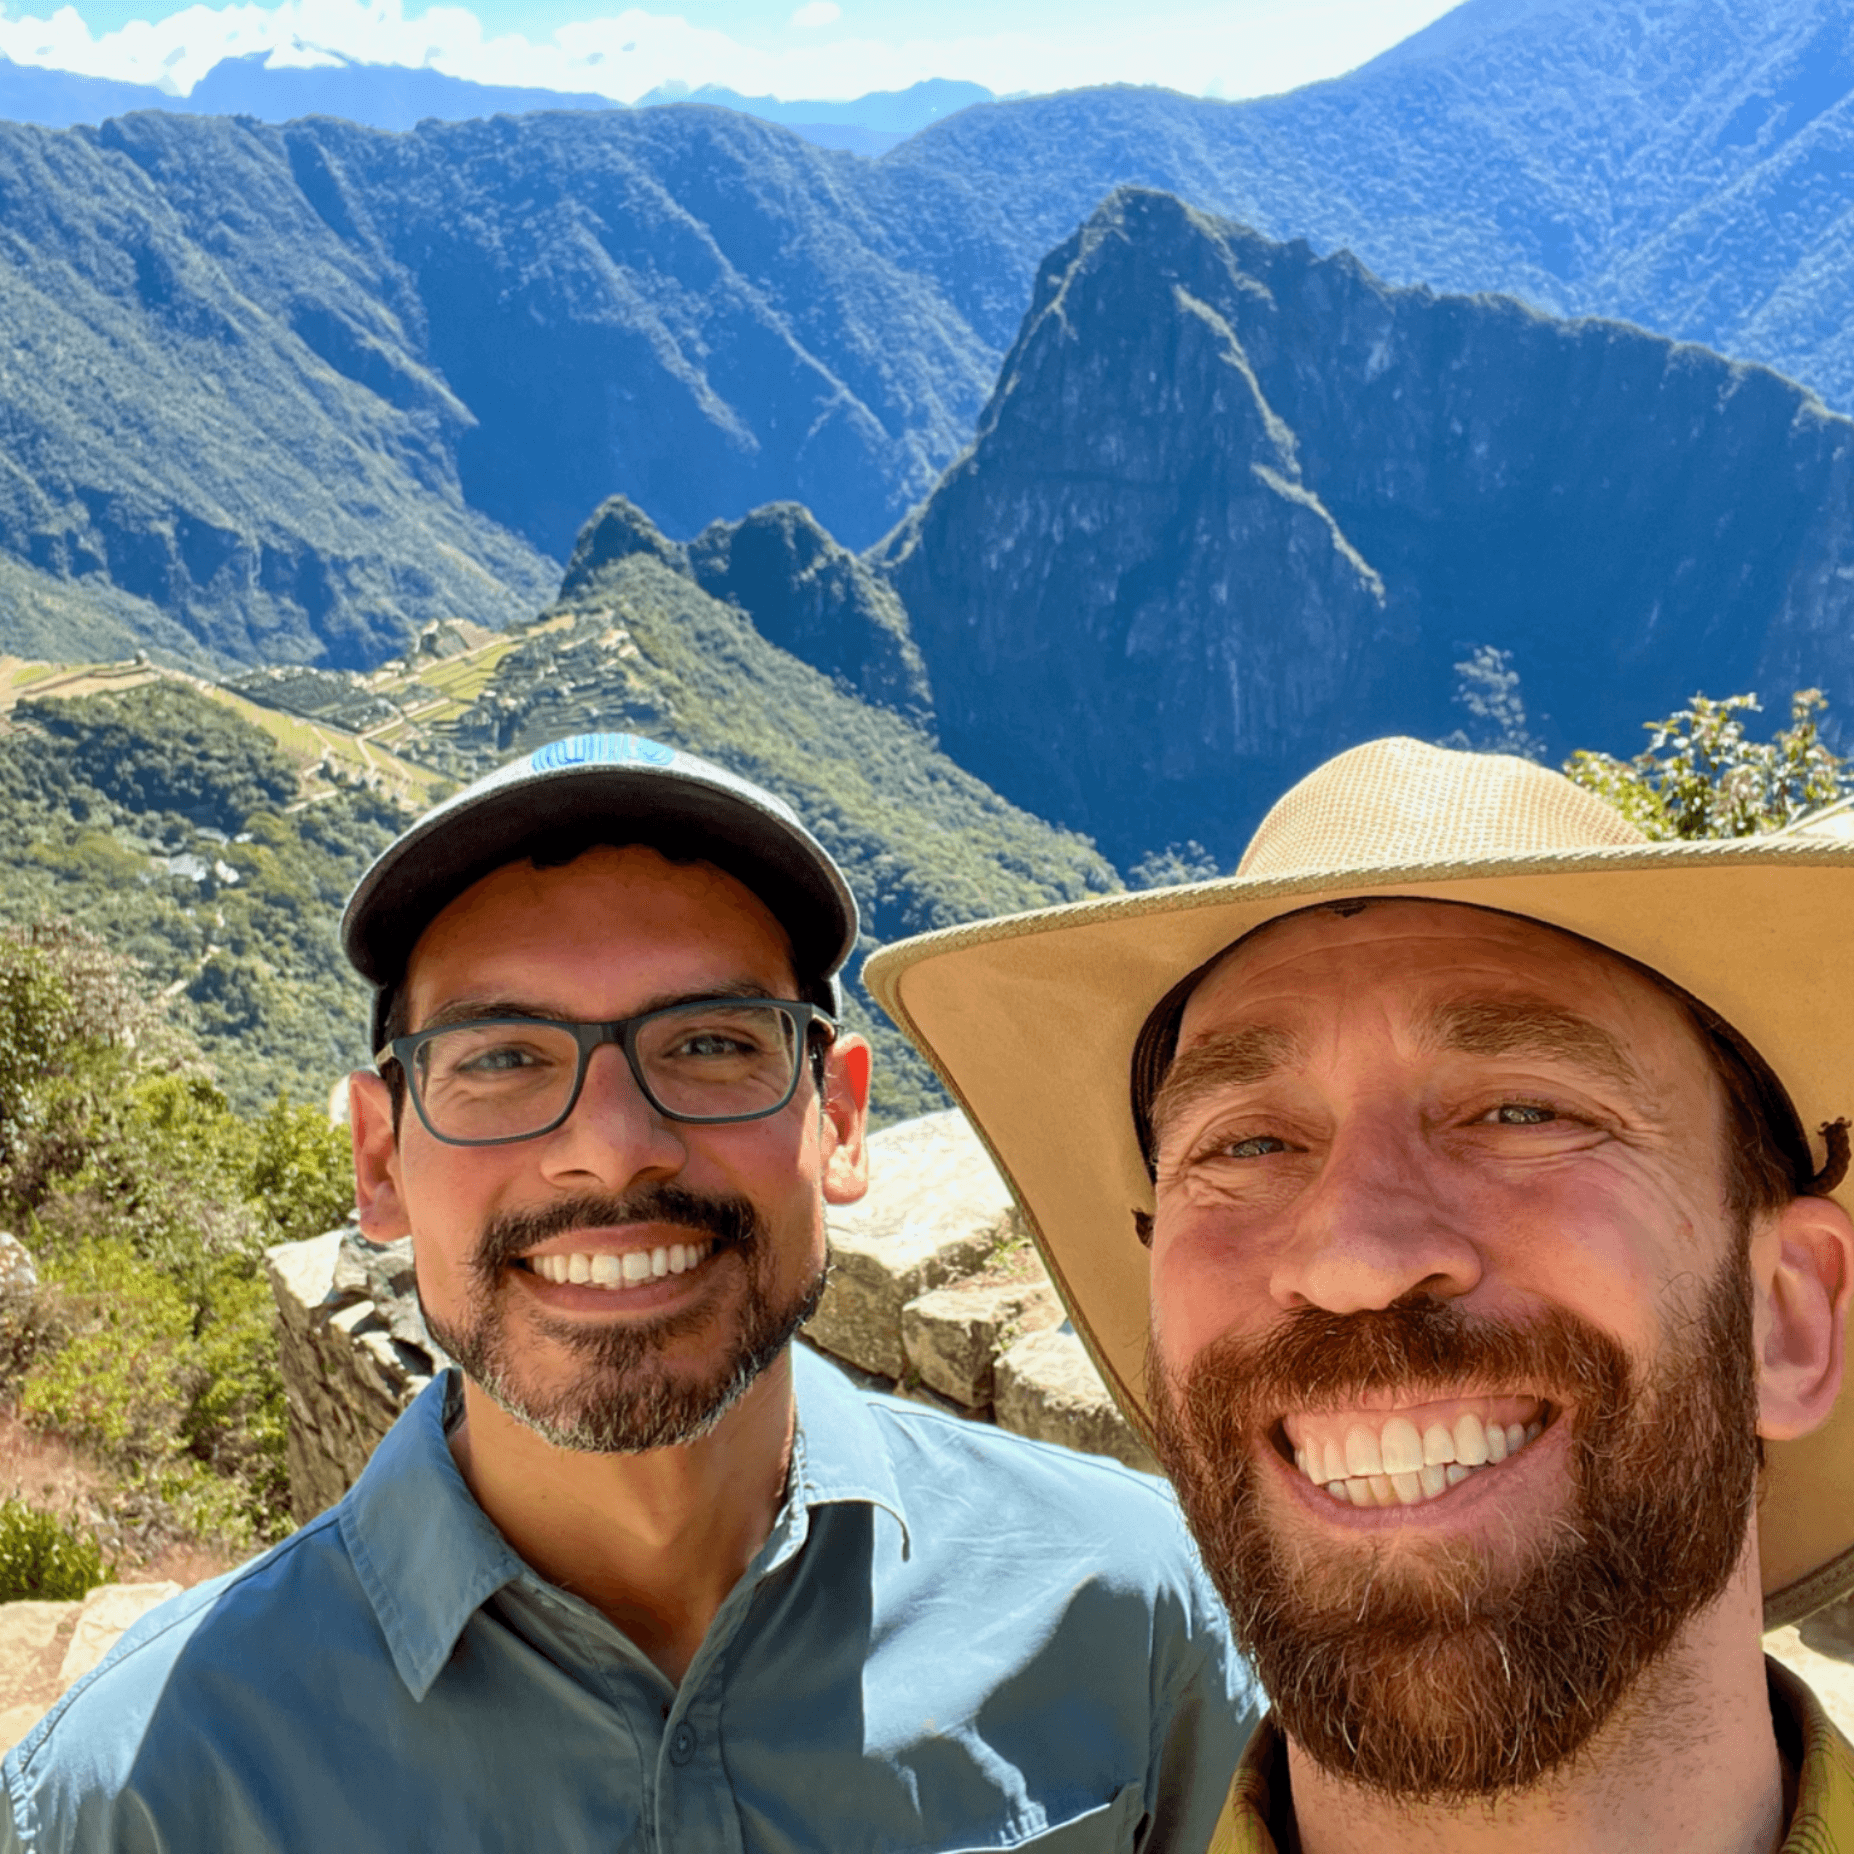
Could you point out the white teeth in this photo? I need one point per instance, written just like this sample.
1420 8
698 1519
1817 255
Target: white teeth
1401 1447
616 1272
1361 1453
1400 1466
1470 1440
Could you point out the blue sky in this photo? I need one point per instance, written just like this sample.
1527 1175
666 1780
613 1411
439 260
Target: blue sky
796 48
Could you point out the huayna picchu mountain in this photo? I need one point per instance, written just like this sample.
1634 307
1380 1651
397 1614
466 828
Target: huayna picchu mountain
1234 506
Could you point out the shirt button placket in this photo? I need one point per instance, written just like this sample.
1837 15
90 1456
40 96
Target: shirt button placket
694 1807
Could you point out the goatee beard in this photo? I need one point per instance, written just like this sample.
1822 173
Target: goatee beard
626 1400
1437 1675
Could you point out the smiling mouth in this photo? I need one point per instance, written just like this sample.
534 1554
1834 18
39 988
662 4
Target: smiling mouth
1407 1457
617 1271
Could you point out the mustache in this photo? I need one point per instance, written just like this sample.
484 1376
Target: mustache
1315 1359
729 1222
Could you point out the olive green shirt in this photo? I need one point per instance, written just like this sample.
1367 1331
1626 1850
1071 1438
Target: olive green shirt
1255 1819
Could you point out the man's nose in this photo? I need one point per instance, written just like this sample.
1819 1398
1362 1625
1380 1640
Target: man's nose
613 1134
1377 1224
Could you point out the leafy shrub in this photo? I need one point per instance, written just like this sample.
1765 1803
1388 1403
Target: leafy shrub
1703 776
300 1175
43 1560
180 1395
148 1202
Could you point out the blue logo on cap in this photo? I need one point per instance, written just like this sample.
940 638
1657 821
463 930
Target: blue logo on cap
601 750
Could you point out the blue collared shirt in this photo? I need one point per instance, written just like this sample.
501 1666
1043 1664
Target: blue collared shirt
952 1639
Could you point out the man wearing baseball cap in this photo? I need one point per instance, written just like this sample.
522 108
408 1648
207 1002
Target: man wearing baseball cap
643 1574
1455 1197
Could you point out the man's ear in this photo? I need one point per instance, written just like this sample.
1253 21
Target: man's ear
845 1119
377 1195
1802 1265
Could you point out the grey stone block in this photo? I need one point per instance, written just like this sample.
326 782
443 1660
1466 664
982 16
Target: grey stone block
935 1212
953 1336
1048 1389
354 1352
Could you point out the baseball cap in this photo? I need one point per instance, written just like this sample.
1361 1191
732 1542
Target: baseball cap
637 790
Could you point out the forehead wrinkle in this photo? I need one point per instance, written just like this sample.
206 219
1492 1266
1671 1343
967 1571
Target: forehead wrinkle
1499 1026
1231 1059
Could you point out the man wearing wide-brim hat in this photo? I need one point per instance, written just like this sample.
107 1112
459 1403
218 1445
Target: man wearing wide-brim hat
1454 1196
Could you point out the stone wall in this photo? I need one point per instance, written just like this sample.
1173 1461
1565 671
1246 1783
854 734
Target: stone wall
935 1293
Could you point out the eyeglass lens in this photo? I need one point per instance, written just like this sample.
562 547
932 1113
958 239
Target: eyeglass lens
708 1061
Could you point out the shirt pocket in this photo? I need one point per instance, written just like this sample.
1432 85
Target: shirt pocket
1108 1828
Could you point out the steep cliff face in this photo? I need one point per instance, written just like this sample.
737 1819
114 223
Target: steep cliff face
1233 507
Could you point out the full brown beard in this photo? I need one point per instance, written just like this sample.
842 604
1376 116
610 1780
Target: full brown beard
1442 1675
625 1401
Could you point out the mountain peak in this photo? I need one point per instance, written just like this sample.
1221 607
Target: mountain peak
617 530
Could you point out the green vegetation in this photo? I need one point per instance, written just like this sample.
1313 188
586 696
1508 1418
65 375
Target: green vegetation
1702 775
43 1560
148 1202
180 834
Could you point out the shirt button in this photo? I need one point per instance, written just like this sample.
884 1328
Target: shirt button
682 1743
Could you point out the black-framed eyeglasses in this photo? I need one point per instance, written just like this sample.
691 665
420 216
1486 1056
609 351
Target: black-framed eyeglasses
712 1061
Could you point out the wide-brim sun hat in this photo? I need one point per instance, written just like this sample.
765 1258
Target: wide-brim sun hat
1032 1021
636 790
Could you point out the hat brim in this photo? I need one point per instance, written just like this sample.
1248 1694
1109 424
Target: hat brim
1031 1022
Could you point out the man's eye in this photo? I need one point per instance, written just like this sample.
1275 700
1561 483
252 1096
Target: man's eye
1518 1114
504 1059
1256 1146
712 1043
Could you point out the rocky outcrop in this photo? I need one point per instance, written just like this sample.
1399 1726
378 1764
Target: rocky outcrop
354 1353
1233 504
934 1293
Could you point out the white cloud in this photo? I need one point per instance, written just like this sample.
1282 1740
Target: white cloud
1236 50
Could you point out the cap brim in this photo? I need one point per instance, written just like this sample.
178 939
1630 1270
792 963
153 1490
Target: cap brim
1031 1022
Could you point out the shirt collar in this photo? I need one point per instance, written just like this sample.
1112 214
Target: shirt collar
426 1554
1823 1820
1824 1817
429 1557
839 1449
